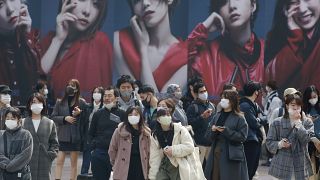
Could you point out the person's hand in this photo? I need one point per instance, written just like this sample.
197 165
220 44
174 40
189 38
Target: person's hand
63 19
168 151
76 111
25 20
140 32
207 113
284 143
214 22
70 119
293 9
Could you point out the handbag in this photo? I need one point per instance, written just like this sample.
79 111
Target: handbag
23 174
236 151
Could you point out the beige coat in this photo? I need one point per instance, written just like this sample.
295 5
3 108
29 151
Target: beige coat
182 147
120 151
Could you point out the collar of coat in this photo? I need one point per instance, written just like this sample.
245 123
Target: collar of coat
125 133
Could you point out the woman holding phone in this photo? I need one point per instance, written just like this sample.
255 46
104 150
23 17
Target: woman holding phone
68 116
77 49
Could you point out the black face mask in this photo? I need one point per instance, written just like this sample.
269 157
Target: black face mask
70 90
146 103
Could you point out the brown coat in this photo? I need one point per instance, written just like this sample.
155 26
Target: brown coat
120 151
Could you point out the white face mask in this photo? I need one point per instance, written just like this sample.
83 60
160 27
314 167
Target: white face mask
11 124
313 101
224 103
96 96
203 96
178 95
136 90
268 89
45 92
5 98
109 106
133 120
165 120
292 111
36 108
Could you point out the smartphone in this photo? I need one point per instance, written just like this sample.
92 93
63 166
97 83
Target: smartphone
221 127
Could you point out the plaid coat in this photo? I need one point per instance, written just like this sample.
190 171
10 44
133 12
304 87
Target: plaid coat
294 160
45 147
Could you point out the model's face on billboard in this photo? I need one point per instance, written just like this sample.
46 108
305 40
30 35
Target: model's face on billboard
151 11
87 12
308 13
9 14
237 13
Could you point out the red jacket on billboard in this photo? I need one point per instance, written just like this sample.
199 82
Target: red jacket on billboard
88 60
175 58
221 61
297 64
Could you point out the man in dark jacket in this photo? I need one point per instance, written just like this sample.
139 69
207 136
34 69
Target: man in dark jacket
150 104
252 145
103 124
199 114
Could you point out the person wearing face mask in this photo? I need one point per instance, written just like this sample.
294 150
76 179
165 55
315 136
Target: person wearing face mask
69 116
103 124
94 106
45 139
174 93
272 100
16 148
228 131
127 95
78 49
130 147
5 99
171 143
256 133
288 139
199 114
190 96
149 102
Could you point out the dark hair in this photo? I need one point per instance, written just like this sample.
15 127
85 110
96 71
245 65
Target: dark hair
76 97
125 79
138 83
197 86
145 89
228 86
233 97
40 98
16 113
306 96
170 104
141 123
277 37
272 84
40 85
102 6
290 98
101 91
171 6
116 92
250 87
215 6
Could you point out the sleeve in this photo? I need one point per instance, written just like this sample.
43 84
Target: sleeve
296 41
4 161
273 138
249 114
22 159
113 148
194 117
238 135
92 130
32 41
186 147
305 132
56 117
156 155
53 142
197 39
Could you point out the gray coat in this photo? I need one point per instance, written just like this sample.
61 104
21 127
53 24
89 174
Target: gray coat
67 132
294 159
19 148
234 134
45 147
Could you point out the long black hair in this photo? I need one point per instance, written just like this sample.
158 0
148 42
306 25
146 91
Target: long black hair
306 96
141 123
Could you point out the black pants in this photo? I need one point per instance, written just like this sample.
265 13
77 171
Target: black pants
100 164
252 149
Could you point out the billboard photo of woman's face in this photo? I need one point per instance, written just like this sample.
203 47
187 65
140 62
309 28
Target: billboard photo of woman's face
9 14
307 13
